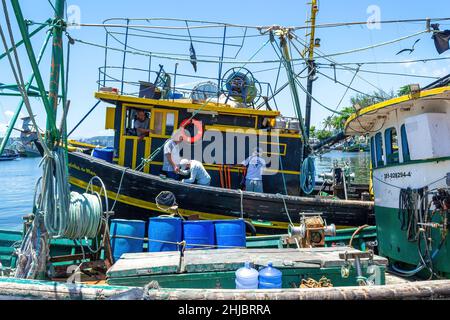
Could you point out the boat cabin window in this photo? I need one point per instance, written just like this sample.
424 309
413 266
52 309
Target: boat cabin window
164 122
405 147
170 123
391 144
130 117
158 122
379 149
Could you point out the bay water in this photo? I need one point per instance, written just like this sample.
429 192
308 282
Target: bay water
18 179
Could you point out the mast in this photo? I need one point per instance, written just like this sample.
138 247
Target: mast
57 55
311 66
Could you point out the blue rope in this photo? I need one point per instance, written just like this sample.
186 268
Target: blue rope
308 175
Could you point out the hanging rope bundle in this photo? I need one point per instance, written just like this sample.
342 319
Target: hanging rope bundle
85 215
411 212
308 175
54 202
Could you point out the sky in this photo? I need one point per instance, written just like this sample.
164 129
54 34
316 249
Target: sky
85 60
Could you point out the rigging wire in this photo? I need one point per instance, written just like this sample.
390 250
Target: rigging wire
323 56
347 88
18 73
212 24
381 72
343 84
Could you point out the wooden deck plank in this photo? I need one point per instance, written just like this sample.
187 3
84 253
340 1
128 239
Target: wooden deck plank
145 263
197 261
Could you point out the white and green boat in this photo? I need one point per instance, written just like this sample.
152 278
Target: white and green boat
410 153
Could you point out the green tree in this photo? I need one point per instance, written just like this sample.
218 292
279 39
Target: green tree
404 90
312 132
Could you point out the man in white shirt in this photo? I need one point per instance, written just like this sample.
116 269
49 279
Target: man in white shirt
170 167
255 169
197 172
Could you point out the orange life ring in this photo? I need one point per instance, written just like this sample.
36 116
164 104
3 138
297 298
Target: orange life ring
197 124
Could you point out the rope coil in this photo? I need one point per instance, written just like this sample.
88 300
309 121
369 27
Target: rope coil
85 215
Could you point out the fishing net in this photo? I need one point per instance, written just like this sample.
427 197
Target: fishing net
166 200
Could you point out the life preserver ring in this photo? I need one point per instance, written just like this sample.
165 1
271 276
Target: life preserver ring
197 124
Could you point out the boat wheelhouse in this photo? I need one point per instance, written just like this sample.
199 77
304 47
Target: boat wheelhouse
224 139
410 155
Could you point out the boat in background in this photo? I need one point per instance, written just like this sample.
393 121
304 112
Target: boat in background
9 154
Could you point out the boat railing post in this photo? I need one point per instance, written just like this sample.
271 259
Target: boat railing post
124 55
150 67
219 79
106 59
174 81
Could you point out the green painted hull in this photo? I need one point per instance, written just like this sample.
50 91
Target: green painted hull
393 243
8 239
292 277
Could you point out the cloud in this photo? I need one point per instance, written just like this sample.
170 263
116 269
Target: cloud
440 72
9 113
3 127
106 132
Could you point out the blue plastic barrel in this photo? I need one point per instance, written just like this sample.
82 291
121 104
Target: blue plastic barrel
230 233
246 277
163 232
106 154
175 95
270 278
198 234
128 228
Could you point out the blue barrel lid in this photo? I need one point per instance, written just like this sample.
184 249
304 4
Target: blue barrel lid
127 220
270 272
107 149
165 218
198 222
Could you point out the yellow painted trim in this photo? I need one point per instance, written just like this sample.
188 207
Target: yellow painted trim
148 144
392 102
110 117
152 206
122 138
216 167
81 144
149 103
133 163
223 128
276 144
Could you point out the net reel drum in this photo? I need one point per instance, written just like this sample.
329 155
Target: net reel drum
311 233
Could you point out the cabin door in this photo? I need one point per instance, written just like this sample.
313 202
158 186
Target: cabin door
163 124
132 148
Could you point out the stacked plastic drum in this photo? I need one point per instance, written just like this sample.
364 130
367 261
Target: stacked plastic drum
230 234
106 154
127 236
199 234
164 234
